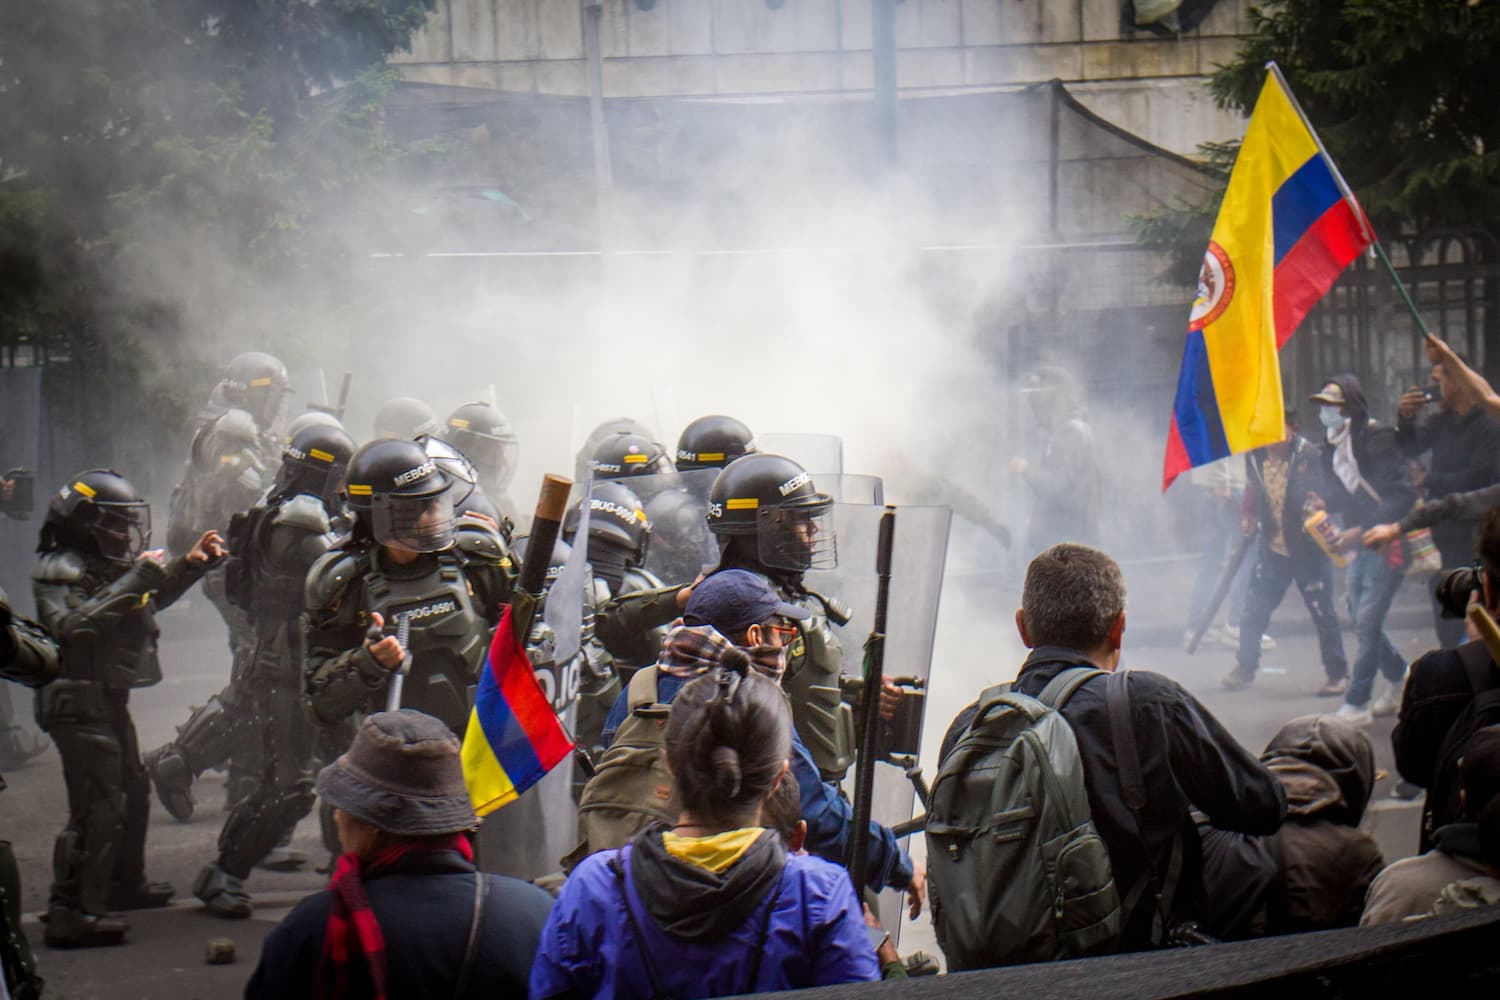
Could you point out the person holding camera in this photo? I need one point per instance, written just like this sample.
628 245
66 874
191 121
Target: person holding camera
1446 420
1450 692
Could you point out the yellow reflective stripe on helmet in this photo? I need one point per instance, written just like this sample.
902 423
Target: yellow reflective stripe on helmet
711 456
259 383
742 503
85 489
635 459
460 423
320 455
358 490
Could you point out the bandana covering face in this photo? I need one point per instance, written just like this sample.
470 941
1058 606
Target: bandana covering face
690 650
352 931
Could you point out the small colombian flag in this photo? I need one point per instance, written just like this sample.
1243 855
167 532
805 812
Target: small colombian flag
1288 227
514 737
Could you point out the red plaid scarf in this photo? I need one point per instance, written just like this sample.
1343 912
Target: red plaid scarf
352 928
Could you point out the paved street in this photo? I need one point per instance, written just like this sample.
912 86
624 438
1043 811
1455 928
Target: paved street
977 646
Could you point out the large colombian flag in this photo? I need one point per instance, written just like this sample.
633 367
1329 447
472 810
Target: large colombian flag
1287 228
514 737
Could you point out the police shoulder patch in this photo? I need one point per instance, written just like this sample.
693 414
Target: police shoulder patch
62 566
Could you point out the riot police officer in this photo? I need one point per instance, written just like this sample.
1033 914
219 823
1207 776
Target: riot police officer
273 546
712 442
583 460
404 418
485 437
408 555
230 463
27 656
97 590
624 455
619 537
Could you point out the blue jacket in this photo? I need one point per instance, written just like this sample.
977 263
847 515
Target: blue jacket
815 937
827 813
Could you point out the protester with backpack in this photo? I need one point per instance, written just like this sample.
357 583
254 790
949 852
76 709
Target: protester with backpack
1451 694
631 788
1007 794
712 905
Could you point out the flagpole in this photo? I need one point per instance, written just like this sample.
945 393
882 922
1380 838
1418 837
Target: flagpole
1348 194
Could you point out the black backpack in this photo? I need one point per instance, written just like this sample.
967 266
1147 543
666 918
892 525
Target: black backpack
1482 710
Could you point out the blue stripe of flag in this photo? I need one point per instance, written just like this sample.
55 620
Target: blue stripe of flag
1301 201
507 739
1196 405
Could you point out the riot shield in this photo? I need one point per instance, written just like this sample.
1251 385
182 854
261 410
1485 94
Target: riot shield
817 453
676 504
848 488
918 558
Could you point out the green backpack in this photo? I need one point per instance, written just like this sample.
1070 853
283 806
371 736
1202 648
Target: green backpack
1016 869
631 787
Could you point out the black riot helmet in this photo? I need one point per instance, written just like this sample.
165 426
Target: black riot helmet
98 511
483 434
257 382
312 418
401 496
621 456
404 418
608 429
617 521
468 494
314 463
772 500
713 442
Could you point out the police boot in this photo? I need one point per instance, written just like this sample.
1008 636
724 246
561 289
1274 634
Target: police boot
141 896
68 927
173 781
222 893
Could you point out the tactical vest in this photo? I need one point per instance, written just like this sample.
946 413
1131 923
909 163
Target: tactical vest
125 656
813 663
450 636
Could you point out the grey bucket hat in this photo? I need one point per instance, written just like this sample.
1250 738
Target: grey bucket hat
403 775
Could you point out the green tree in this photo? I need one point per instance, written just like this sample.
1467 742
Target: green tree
158 155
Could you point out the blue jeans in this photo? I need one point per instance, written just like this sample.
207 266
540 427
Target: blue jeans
1314 578
1370 586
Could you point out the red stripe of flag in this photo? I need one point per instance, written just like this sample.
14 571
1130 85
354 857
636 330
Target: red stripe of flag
1177 457
1314 263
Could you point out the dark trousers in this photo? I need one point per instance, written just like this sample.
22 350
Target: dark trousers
1314 578
108 807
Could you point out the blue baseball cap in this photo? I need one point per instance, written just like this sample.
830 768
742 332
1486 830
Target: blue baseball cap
732 600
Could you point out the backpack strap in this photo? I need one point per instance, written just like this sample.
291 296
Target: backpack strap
635 929
1133 791
476 921
1061 687
642 692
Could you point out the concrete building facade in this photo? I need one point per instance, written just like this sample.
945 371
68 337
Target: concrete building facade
1147 83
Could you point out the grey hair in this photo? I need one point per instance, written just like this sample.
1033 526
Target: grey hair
1073 595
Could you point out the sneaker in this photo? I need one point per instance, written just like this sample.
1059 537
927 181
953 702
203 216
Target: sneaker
1355 715
1334 689
1230 636
919 963
222 893
1388 702
1236 681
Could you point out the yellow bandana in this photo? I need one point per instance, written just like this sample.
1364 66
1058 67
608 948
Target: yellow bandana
716 852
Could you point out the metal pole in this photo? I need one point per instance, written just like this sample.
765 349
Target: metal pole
883 54
593 48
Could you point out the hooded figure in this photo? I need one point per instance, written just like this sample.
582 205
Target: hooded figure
1327 768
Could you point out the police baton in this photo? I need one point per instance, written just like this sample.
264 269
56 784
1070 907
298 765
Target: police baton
1226 580
869 709
398 676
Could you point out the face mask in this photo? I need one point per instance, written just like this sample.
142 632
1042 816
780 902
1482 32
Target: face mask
1331 417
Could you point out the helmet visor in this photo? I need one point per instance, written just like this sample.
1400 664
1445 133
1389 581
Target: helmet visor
268 403
495 454
455 464
417 524
798 536
122 530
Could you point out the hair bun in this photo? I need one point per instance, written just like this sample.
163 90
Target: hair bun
726 763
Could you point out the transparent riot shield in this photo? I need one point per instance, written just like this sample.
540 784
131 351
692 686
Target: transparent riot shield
918 558
848 488
817 453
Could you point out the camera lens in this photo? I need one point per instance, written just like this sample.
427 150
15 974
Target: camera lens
1453 589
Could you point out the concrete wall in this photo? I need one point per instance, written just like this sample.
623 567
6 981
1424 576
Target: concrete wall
1146 84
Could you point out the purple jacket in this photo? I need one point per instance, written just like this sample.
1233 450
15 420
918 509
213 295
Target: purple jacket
815 937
